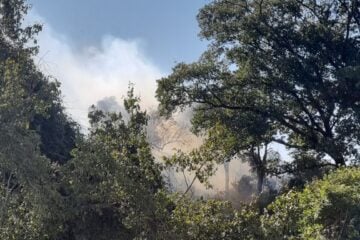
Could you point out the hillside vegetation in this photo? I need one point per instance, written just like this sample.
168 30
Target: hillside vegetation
275 72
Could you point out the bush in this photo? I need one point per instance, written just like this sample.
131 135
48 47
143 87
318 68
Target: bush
325 209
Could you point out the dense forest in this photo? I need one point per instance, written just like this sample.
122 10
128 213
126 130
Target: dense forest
275 72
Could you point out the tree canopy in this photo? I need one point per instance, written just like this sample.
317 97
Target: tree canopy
291 64
277 71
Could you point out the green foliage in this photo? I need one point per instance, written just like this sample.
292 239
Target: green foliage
211 219
325 209
274 68
57 132
306 167
112 182
200 162
28 200
30 212
31 96
289 65
15 37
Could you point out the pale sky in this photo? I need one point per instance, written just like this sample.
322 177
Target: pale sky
167 29
95 48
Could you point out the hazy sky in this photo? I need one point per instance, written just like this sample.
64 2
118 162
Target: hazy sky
166 29
96 47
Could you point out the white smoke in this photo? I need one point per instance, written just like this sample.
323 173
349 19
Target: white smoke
101 75
93 73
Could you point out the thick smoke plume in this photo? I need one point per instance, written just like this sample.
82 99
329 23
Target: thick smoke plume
101 74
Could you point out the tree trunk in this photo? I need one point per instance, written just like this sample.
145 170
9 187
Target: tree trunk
339 159
227 179
260 180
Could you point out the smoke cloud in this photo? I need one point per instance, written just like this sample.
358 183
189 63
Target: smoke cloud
93 73
101 75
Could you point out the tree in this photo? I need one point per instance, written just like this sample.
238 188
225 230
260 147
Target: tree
211 219
15 38
58 133
246 144
163 132
290 63
28 186
305 167
199 163
20 161
113 185
325 209
18 45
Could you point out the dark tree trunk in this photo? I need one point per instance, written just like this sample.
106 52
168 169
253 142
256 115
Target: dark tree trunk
340 161
227 179
260 180
338 158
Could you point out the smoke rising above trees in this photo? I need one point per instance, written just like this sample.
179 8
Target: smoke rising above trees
282 72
